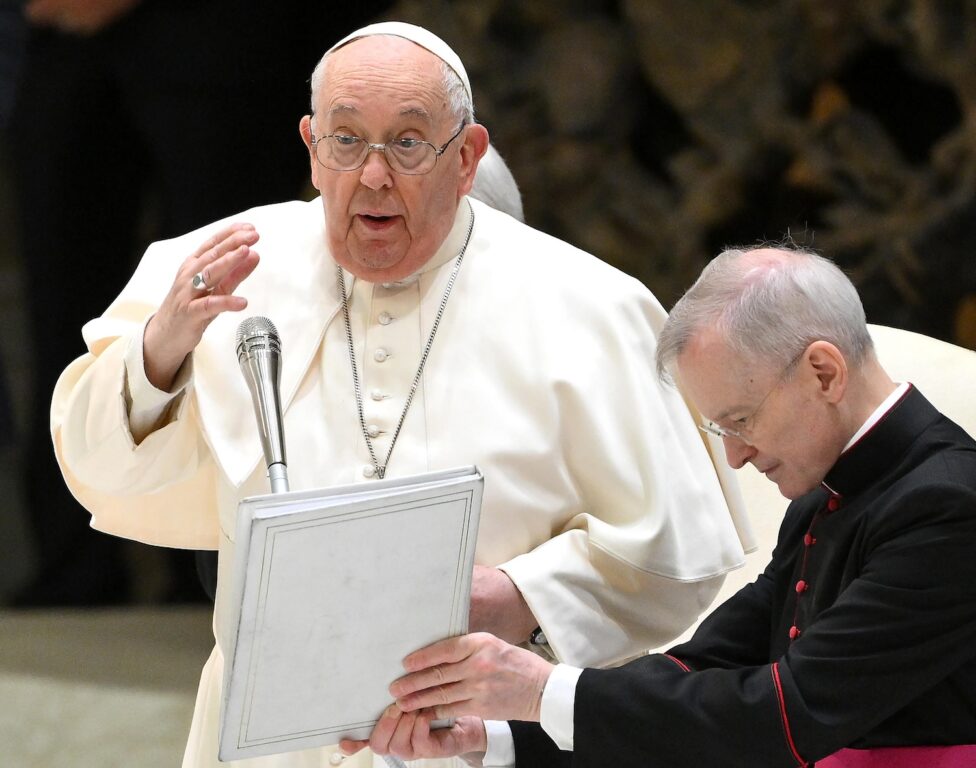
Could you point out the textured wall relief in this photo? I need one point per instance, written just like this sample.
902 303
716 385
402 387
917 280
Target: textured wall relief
654 132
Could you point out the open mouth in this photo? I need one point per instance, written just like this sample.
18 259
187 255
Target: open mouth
376 222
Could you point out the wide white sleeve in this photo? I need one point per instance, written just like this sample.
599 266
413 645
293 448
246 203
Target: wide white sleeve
159 490
149 408
649 550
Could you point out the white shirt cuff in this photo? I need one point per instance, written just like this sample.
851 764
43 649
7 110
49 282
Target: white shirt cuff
147 405
501 745
558 703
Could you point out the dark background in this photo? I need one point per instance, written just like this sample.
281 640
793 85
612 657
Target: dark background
654 132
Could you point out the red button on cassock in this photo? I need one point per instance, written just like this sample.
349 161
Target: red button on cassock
808 540
801 586
833 503
794 632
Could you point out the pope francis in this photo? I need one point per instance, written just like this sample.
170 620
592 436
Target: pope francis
422 330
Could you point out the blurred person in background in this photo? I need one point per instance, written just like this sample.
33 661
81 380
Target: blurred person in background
137 120
15 551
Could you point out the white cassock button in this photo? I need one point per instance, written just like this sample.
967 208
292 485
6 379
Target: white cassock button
372 430
385 318
376 395
336 758
380 355
369 470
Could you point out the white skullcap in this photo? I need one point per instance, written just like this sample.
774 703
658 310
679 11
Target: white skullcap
422 37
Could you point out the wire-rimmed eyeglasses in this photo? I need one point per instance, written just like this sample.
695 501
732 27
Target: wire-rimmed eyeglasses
412 157
747 424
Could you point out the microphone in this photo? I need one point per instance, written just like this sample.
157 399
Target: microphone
259 355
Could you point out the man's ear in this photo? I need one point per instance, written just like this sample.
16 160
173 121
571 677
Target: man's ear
472 150
830 369
305 129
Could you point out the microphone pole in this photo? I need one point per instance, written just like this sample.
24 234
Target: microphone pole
259 355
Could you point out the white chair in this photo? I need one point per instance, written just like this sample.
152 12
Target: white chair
943 372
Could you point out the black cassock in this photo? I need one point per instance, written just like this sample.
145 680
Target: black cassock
861 632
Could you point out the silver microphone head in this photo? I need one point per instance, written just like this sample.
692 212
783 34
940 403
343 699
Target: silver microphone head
257 333
259 355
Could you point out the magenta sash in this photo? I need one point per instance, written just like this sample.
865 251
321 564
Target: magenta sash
962 756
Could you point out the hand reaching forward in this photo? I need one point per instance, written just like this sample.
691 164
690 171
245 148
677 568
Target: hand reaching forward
408 736
473 675
225 260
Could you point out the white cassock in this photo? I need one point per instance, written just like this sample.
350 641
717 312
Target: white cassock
601 499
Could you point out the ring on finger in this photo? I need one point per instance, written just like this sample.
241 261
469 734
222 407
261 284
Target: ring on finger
199 283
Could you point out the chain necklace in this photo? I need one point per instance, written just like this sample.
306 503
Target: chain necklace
380 469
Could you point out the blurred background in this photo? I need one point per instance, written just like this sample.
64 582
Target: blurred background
649 132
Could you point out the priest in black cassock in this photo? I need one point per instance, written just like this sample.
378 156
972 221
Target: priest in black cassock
855 647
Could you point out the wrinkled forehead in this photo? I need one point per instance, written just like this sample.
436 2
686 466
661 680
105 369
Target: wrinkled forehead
384 75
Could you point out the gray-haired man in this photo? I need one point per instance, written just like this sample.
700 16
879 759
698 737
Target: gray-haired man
855 648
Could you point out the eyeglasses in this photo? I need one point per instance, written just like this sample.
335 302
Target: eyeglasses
748 423
411 157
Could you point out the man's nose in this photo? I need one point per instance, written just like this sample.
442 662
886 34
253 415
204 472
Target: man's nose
737 451
376 172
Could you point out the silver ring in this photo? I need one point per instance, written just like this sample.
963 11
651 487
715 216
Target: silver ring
200 283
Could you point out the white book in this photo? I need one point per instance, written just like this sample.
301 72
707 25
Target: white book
332 588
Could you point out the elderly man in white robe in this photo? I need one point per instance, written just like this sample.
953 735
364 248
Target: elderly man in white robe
605 527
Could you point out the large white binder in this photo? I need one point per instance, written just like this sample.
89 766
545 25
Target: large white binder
332 588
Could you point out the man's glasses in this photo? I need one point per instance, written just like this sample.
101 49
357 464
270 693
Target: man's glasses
747 424
412 157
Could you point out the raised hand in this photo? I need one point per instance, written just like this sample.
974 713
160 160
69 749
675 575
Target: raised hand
473 675
224 261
